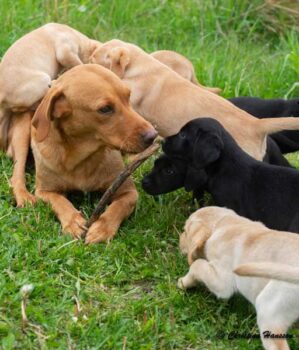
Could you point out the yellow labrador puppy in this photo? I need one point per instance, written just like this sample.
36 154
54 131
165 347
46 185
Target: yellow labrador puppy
223 248
26 72
182 66
169 101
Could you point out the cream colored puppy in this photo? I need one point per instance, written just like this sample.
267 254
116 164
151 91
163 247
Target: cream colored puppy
182 66
169 101
222 247
26 72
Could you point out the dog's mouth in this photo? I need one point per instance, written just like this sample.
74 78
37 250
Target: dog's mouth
132 149
147 185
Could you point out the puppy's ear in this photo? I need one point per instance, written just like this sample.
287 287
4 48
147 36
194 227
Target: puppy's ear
53 105
201 233
195 178
207 149
119 58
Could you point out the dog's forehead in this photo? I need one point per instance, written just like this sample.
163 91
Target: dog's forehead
90 81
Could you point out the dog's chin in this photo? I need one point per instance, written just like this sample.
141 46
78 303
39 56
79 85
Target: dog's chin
154 190
134 148
128 149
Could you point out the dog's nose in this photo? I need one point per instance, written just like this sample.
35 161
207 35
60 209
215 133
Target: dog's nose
149 136
145 181
146 184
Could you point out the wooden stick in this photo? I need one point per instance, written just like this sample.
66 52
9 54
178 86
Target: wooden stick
128 170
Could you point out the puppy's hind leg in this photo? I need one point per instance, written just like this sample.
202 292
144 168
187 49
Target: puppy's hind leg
67 56
4 128
19 144
277 308
216 279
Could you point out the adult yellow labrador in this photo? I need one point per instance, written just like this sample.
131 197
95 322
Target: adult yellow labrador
77 131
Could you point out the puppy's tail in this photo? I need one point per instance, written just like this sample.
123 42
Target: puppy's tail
269 270
272 125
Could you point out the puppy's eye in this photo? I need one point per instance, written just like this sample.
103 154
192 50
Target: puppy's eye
169 171
182 135
106 110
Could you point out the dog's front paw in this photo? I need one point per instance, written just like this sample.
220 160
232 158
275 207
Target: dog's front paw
180 284
22 197
75 226
100 231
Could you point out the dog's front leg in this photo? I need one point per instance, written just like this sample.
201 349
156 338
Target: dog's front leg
71 219
123 204
217 280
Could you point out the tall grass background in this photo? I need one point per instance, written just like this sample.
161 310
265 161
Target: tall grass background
127 289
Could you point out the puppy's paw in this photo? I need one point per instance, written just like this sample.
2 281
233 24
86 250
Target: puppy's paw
100 231
180 284
75 226
24 197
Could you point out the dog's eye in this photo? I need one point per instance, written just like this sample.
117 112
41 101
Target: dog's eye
182 135
106 110
169 171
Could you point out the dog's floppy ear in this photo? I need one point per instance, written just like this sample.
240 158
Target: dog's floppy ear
195 178
53 105
119 58
207 148
198 239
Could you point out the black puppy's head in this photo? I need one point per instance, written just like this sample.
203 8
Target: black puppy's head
169 174
200 142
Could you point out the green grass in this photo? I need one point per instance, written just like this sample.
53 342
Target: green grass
127 289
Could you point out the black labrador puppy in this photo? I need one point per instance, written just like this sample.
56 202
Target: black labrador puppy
210 159
288 141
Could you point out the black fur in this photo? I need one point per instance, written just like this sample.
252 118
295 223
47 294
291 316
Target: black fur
210 159
288 141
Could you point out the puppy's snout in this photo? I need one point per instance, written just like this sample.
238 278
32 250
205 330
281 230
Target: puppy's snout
145 181
149 137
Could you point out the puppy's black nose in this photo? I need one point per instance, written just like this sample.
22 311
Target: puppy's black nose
149 136
145 182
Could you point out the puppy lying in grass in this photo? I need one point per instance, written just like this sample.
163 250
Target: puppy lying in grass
214 162
288 140
26 72
230 254
77 130
169 101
